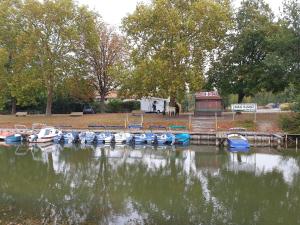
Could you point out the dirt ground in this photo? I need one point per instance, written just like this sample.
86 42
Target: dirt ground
266 122
108 119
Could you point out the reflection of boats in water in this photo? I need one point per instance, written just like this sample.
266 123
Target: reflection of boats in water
46 147
111 151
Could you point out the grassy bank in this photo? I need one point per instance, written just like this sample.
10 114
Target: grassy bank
108 119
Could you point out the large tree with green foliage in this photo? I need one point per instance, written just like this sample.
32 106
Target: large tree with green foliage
170 41
240 68
291 18
52 38
18 86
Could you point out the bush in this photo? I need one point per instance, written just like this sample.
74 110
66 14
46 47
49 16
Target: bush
290 123
117 106
285 106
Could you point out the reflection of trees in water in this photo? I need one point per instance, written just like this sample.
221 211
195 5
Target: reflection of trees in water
75 187
249 199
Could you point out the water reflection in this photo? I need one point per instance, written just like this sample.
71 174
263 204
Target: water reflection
107 184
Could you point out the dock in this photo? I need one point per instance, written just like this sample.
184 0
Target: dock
217 138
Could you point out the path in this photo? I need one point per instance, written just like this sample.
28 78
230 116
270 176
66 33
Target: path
203 124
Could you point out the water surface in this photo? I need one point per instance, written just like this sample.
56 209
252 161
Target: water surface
54 184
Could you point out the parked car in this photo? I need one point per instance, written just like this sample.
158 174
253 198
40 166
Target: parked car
87 109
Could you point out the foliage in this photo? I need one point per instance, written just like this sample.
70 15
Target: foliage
18 83
170 41
52 37
290 123
102 52
239 67
115 106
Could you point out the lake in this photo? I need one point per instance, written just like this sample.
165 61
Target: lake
80 184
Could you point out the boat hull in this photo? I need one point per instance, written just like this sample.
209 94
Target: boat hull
13 138
182 139
236 141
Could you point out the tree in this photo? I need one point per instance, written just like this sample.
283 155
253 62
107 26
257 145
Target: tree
170 41
291 18
240 67
52 37
12 64
103 51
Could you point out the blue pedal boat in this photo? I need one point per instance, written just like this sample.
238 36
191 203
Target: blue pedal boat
140 139
166 138
13 138
87 137
237 141
104 137
182 139
151 138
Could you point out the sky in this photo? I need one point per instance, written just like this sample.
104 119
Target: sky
112 11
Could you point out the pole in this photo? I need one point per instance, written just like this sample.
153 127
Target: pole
142 119
255 117
216 119
190 122
126 120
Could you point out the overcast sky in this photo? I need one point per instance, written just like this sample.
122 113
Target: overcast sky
112 11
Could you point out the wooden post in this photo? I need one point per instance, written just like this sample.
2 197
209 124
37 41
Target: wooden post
190 122
296 143
216 121
142 119
286 144
233 115
255 117
126 120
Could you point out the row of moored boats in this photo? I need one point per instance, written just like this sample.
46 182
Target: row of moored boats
51 134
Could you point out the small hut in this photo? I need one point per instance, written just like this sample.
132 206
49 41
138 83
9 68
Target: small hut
208 104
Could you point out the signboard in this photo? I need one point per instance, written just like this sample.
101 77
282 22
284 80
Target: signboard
207 94
245 107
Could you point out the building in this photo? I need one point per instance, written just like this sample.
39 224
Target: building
208 104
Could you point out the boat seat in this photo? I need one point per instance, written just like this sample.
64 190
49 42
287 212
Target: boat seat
21 114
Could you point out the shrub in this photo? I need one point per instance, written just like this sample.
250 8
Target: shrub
285 106
290 123
117 106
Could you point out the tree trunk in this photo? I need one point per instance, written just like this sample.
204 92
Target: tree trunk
102 104
13 106
241 97
49 101
172 101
